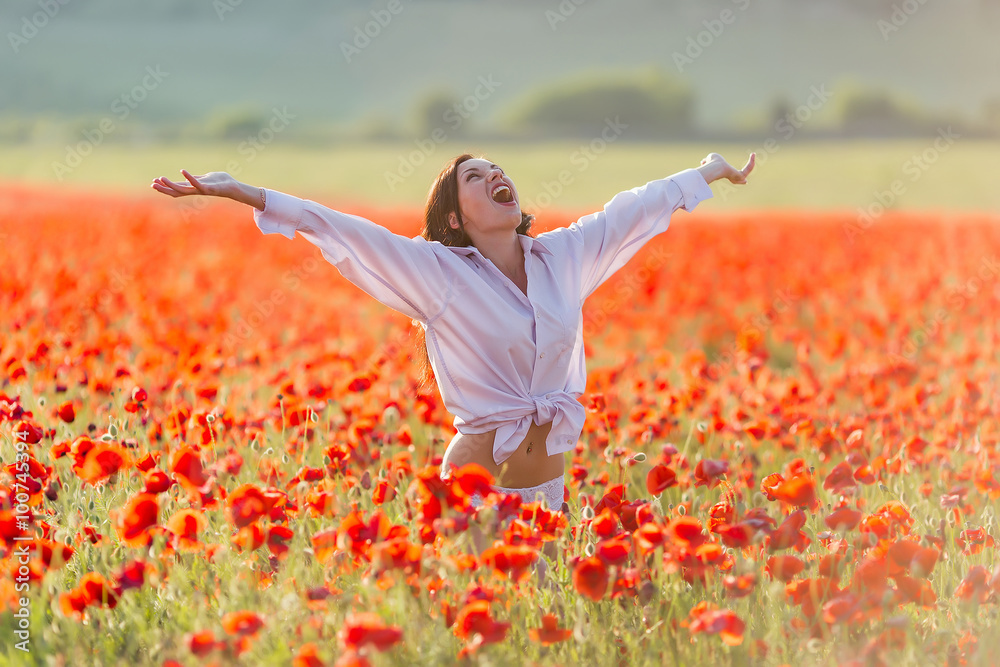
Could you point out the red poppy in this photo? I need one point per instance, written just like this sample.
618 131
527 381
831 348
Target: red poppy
972 541
843 518
246 505
605 524
513 561
789 533
66 412
383 493
659 478
368 629
737 535
770 484
708 472
276 538
723 622
308 656
590 577
97 590
186 464
840 479
249 538
687 532
784 568
473 478
29 432
916 590
550 632
614 550
842 609
73 603
243 623
324 544
739 586
185 525
795 487
202 643
137 518
157 481
909 555
397 553
358 535
52 554
131 575
475 619
975 587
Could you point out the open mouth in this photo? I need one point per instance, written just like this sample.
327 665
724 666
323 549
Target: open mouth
502 194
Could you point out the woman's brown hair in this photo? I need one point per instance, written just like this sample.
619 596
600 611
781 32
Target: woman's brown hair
442 200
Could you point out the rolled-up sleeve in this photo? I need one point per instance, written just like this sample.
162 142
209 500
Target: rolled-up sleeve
403 273
606 240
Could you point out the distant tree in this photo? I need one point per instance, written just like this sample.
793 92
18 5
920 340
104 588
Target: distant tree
235 123
651 103
433 113
865 110
991 115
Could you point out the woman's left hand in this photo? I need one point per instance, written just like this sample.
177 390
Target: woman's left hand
715 167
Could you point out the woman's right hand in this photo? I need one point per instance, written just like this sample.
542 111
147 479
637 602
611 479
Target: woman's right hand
212 184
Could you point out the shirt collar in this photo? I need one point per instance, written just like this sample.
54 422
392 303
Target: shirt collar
528 244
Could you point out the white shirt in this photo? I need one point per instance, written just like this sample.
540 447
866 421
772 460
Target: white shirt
501 359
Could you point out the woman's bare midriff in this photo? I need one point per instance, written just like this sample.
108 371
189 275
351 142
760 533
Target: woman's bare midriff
523 469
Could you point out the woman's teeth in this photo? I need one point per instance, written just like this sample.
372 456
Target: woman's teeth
502 195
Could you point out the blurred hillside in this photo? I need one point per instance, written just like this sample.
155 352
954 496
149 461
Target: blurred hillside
392 69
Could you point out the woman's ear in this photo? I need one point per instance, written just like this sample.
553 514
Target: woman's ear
453 220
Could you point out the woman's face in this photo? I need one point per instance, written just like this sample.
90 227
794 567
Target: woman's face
487 199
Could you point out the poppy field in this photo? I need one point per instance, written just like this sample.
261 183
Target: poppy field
215 451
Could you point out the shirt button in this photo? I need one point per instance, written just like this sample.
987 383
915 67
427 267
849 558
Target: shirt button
541 356
568 441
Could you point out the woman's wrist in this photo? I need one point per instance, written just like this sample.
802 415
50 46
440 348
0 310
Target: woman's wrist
250 195
710 172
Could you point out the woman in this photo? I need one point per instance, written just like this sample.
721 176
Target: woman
500 310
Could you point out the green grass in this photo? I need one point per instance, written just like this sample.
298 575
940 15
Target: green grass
813 175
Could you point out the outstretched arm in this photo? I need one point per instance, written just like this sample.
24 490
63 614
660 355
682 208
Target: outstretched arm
403 273
603 242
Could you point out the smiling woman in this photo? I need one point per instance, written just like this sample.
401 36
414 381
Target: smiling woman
498 311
